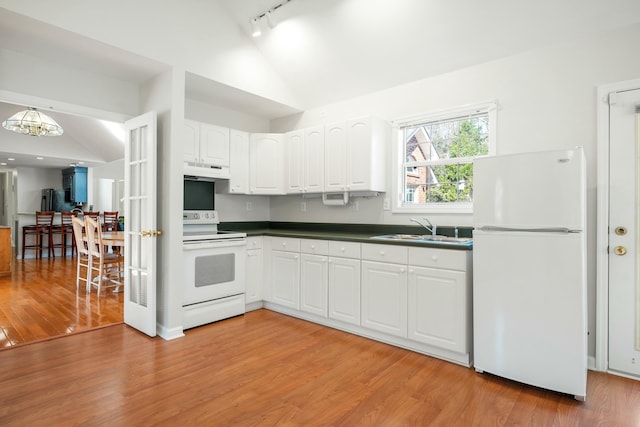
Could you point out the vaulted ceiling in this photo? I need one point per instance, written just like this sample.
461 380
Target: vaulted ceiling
321 51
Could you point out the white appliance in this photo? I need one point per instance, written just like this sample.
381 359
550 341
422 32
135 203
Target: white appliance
529 269
214 270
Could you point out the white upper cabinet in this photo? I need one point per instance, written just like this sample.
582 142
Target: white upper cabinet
214 145
335 157
304 160
355 155
294 161
314 159
205 149
266 154
239 162
191 141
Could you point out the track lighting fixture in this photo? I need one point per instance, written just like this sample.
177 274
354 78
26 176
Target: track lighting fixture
256 31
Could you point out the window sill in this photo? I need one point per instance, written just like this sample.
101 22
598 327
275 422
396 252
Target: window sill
442 208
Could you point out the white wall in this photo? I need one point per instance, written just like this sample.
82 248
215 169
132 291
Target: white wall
104 184
31 181
65 87
547 100
173 34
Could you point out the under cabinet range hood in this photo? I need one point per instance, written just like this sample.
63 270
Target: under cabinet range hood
203 172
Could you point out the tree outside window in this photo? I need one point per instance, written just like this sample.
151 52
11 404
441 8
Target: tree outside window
438 166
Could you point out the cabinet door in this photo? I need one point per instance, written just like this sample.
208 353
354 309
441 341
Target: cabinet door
335 157
344 290
438 303
191 141
313 284
214 145
266 159
285 279
384 297
254 275
294 161
314 160
239 162
359 154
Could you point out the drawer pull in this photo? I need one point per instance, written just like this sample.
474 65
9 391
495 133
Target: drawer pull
434 258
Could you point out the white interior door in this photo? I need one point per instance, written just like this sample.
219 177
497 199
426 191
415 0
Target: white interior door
140 223
624 283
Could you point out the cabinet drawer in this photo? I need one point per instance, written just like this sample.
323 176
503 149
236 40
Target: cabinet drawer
344 249
439 258
285 244
385 253
254 242
313 246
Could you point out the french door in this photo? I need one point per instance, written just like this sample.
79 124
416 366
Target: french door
140 223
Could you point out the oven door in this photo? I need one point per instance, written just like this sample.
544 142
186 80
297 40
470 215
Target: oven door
213 269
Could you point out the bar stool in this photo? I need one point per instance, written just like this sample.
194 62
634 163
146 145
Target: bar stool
42 228
65 230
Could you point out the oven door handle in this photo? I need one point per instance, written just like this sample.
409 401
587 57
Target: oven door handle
194 246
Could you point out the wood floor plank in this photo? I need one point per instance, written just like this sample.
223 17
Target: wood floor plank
265 369
39 301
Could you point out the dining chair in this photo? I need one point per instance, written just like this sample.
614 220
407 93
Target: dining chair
65 231
110 223
93 215
82 250
40 230
105 268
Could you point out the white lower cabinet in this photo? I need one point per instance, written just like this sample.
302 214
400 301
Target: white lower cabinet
255 270
418 298
285 278
438 308
344 289
313 284
384 297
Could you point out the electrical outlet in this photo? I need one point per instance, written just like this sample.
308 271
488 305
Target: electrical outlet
249 206
303 207
386 204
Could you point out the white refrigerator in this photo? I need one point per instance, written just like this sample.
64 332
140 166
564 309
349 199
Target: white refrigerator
529 269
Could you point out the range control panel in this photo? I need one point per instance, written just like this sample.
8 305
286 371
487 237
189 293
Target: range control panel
200 217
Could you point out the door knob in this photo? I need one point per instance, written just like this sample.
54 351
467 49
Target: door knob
620 250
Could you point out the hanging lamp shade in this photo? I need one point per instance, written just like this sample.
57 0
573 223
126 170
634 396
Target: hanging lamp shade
34 123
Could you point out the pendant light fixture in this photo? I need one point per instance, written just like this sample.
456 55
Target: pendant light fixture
34 123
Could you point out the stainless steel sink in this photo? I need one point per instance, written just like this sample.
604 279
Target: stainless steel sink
426 238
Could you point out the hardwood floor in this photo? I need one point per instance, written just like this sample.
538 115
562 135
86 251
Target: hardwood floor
265 369
39 301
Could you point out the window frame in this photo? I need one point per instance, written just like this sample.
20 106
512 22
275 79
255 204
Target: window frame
489 107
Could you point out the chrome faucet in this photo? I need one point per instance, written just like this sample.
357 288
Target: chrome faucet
431 227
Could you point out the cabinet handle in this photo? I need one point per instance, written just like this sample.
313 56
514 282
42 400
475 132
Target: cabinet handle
402 270
434 258
341 249
411 271
295 257
284 244
382 253
313 246
329 260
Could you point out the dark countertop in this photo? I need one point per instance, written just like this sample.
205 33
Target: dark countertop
361 233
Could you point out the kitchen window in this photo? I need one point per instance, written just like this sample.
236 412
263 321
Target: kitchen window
435 155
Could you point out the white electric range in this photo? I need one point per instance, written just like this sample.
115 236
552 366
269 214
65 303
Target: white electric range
214 270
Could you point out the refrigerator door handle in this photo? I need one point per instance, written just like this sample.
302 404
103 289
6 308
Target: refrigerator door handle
529 230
